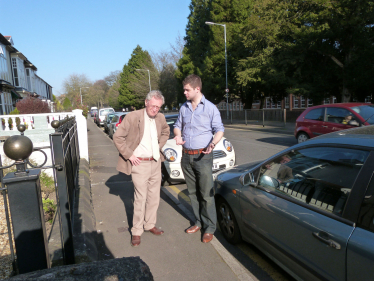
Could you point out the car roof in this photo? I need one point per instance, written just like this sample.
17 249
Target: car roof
347 104
171 116
360 136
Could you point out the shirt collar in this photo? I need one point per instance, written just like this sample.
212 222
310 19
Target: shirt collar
201 101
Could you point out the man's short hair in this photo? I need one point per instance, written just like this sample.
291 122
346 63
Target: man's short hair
194 81
155 94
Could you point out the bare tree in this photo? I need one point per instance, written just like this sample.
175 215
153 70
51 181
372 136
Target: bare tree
71 86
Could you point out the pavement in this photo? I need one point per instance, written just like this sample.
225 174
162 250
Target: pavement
174 255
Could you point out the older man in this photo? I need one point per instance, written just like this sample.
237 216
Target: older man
198 120
139 140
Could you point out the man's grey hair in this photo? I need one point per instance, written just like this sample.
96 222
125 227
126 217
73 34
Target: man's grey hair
155 94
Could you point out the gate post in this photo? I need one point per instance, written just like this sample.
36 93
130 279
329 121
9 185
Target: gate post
64 208
26 208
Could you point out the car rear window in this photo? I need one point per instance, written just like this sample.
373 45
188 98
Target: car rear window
315 114
366 111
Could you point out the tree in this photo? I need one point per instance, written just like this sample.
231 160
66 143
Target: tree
134 84
112 78
31 105
72 85
67 104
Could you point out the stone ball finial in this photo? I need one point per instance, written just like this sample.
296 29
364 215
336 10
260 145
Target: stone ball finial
21 128
55 124
18 148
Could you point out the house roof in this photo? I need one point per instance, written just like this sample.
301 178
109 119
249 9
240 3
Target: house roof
3 40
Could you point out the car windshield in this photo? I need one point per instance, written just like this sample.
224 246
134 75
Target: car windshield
366 111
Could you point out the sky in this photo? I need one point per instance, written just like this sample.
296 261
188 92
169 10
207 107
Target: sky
92 37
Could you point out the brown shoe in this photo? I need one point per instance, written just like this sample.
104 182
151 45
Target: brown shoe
207 237
193 229
155 231
135 241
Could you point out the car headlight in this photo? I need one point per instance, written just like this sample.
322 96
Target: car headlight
170 154
227 145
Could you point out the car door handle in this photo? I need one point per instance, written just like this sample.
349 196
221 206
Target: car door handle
324 126
324 237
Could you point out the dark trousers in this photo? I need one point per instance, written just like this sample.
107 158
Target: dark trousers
197 171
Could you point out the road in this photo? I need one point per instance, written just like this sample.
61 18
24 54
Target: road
112 194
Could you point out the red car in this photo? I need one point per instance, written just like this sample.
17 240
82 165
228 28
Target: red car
327 118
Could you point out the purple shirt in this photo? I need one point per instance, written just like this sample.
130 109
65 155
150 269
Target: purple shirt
199 126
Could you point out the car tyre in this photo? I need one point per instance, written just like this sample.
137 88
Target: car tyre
301 137
227 222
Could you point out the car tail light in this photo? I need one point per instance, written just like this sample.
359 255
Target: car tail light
119 122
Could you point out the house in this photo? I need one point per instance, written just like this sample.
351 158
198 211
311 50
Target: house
18 78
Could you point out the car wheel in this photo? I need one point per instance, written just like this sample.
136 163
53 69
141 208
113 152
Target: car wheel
301 137
227 222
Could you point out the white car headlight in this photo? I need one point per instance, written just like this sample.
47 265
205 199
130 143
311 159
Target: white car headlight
227 145
170 154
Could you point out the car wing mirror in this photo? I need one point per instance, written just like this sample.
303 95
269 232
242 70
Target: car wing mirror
247 179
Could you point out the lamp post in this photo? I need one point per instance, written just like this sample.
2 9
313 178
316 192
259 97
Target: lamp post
149 77
227 89
80 92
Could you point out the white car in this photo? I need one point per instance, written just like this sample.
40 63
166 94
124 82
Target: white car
223 156
102 114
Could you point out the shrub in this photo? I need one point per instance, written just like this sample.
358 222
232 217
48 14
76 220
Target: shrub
49 208
32 105
14 112
10 122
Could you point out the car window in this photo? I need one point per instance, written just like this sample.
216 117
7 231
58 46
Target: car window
171 122
321 177
315 114
115 118
340 115
366 216
366 111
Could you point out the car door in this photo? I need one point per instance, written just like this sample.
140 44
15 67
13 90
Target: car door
336 119
295 212
360 253
314 120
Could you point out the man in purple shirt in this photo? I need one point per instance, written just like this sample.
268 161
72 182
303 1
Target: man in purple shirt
199 128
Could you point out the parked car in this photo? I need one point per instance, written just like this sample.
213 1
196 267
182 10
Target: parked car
327 118
107 120
100 116
223 156
93 111
115 122
310 208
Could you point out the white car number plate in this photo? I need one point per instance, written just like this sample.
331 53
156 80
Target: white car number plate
215 166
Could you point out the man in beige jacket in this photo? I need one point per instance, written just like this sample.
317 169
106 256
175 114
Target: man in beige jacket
139 140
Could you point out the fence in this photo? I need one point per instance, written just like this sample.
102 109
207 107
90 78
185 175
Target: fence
23 192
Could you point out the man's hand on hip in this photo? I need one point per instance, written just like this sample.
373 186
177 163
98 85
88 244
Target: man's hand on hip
134 160
179 140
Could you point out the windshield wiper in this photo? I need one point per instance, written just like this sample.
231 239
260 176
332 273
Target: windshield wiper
369 118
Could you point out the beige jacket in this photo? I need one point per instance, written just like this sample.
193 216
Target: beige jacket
130 133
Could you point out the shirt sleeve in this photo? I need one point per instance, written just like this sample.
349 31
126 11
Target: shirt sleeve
217 124
178 123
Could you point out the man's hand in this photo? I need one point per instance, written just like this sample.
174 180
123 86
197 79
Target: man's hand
208 149
179 140
134 160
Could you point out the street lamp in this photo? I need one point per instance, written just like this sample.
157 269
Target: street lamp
149 77
80 91
227 89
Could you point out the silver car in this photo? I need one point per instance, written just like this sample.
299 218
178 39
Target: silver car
114 123
310 208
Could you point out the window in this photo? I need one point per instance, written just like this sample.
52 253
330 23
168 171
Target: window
1 105
338 115
272 103
287 102
267 102
15 72
326 101
368 99
279 105
295 102
315 114
302 102
28 78
366 215
310 102
333 99
321 177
